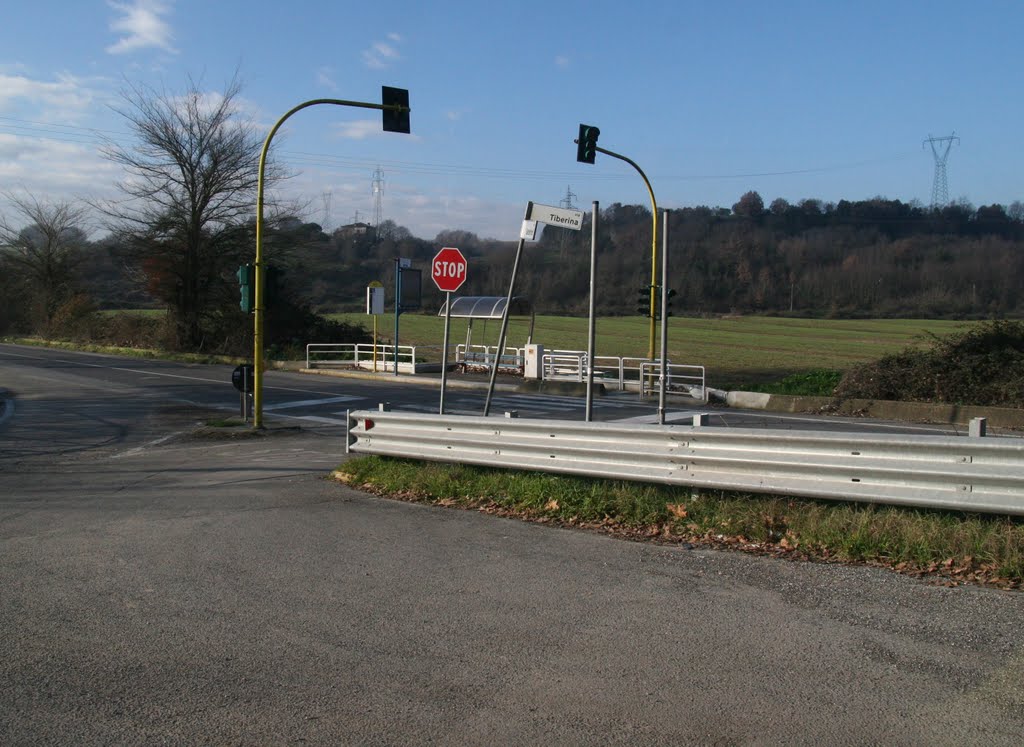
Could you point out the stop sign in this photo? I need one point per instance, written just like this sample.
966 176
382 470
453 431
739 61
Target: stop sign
448 269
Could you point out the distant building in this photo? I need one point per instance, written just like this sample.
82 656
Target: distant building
354 229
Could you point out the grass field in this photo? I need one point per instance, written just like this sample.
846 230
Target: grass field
735 350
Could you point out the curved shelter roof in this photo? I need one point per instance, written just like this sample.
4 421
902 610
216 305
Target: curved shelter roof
487 307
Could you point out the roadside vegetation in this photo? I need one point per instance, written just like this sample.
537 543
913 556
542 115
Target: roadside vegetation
948 547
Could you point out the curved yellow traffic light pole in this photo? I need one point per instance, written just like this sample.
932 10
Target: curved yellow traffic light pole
654 242
258 298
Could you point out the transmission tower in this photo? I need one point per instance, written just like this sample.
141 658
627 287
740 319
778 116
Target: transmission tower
940 150
566 202
326 196
378 198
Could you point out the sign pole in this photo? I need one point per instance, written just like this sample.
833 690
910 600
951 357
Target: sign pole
504 318
444 347
664 318
398 306
590 322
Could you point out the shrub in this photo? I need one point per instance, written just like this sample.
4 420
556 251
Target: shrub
982 366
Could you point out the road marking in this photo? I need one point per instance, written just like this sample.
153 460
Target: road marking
151 444
310 402
147 373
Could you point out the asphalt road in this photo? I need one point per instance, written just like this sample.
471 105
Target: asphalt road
159 586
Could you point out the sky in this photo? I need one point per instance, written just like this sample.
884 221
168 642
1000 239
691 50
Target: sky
829 100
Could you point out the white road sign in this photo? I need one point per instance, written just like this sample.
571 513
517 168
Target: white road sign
556 216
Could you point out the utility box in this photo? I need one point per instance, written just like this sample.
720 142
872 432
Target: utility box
533 366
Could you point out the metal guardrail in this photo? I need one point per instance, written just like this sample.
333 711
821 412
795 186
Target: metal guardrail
958 473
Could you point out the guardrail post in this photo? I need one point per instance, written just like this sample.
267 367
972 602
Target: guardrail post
384 407
512 414
701 419
978 427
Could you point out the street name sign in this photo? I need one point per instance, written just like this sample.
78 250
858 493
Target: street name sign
556 216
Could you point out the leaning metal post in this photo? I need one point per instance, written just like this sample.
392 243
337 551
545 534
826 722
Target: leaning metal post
504 318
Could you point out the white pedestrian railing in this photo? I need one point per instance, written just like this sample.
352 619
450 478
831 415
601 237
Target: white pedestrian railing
681 379
326 355
625 373
483 356
959 473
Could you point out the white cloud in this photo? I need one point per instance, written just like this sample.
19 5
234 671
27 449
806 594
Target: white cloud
382 54
358 129
63 98
141 24
562 61
325 78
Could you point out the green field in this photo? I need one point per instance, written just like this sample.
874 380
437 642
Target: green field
734 350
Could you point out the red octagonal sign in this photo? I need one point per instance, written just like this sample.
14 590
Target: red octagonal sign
448 269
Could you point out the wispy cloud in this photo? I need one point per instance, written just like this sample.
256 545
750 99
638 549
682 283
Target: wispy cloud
66 94
358 129
325 78
382 54
562 61
141 24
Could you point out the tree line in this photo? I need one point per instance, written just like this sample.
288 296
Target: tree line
184 223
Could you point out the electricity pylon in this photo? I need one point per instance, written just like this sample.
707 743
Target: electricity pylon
940 188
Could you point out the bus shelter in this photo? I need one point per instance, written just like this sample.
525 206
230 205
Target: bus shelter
487 308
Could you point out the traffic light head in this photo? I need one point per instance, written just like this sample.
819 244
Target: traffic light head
643 301
396 117
586 144
247 287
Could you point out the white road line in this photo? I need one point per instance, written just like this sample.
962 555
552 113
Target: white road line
151 444
310 402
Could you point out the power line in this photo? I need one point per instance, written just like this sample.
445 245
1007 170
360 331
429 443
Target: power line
91 136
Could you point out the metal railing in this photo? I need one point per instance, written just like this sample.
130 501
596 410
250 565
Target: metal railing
329 355
483 356
682 379
959 473
625 373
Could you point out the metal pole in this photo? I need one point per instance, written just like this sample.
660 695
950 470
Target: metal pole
664 318
504 319
444 351
590 324
258 297
398 306
654 240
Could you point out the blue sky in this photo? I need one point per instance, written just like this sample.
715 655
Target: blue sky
828 100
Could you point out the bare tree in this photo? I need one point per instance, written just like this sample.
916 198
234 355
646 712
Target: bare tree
191 185
43 255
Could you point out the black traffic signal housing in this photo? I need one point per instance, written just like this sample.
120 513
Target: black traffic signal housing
586 143
273 285
670 294
247 286
643 300
395 120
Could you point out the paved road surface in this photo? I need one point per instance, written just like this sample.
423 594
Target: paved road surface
158 587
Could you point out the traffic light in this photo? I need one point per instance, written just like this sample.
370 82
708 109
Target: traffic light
670 294
643 301
247 285
272 285
392 119
586 144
